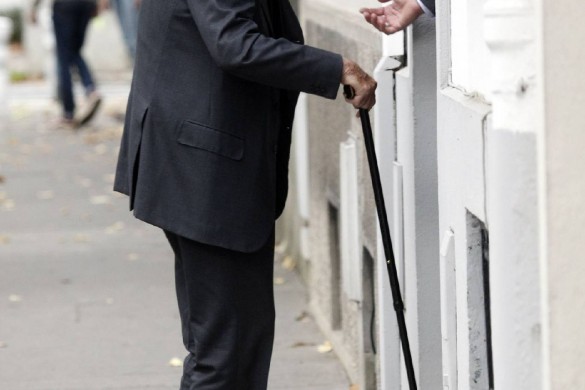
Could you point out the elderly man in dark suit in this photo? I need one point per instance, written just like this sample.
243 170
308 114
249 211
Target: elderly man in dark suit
398 15
204 156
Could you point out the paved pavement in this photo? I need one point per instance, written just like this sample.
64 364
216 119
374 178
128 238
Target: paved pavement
86 291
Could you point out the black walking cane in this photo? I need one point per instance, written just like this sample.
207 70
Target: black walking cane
386 238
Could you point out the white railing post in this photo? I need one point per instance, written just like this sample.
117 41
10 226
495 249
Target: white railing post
510 29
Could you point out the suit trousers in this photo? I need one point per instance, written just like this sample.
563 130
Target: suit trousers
226 304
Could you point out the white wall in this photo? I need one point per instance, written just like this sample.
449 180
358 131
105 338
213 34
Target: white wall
470 61
463 124
510 29
416 155
510 140
562 160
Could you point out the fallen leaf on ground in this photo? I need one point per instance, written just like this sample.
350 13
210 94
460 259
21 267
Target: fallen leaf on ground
3 345
303 317
7 204
91 139
280 247
115 228
45 195
279 281
289 263
4 240
176 362
81 238
2 179
106 134
300 344
354 387
133 256
326 347
100 199
15 298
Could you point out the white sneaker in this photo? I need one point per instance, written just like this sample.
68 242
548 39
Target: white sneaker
87 112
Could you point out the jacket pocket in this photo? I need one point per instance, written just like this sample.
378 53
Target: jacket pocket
205 138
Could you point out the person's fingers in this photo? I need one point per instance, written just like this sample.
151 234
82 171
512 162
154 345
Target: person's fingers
373 20
367 17
375 11
380 20
381 23
365 102
390 29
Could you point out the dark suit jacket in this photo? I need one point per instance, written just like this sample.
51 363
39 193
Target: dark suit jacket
430 4
206 141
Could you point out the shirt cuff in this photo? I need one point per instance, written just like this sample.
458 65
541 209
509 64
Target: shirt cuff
424 8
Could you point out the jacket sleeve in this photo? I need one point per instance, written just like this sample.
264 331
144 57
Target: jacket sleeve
428 6
237 46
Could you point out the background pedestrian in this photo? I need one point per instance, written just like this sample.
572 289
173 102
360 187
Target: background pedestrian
127 11
70 21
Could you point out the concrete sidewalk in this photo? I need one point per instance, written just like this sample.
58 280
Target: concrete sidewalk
86 291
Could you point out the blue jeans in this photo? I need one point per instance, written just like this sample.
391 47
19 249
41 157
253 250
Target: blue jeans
70 21
128 16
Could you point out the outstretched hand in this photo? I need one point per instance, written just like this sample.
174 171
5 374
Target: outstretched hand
394 17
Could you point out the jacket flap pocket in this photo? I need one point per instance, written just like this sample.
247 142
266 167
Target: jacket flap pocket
214 141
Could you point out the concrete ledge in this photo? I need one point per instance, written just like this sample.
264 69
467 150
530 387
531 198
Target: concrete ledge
339 27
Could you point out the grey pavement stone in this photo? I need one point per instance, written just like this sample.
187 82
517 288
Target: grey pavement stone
86 291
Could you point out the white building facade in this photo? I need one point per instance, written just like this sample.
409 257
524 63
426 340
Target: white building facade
480 136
